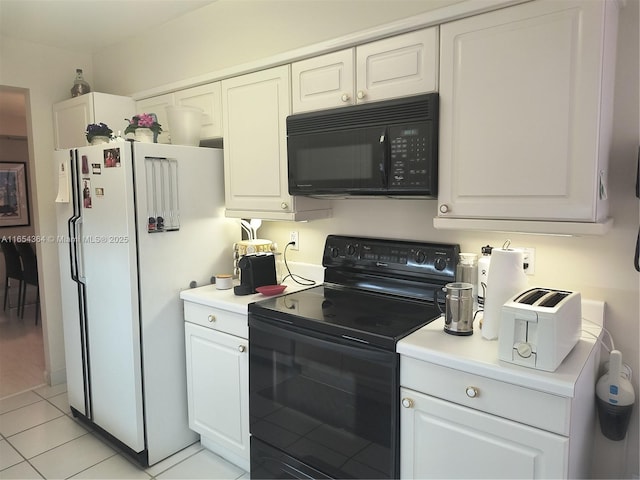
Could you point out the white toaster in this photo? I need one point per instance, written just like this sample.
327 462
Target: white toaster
539 327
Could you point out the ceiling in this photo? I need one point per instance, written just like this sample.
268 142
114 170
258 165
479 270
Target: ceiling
83 26
87 25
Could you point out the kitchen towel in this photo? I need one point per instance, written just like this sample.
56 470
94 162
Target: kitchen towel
506 277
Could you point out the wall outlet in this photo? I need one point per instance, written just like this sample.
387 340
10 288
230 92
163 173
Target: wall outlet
529 257
293 238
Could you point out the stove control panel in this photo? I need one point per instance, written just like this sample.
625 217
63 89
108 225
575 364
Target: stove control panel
380 256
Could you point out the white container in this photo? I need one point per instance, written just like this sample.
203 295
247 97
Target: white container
506 278
185 124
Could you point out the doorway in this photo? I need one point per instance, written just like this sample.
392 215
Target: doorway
22 362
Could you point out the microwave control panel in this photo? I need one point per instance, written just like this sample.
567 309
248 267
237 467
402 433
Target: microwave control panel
410 156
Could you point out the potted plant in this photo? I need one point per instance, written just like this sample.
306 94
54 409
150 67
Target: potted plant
98 133
145 127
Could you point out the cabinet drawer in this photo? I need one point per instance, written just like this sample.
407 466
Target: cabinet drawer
217 319
524 405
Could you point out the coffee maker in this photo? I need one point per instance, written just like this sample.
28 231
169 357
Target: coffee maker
256 270
248 247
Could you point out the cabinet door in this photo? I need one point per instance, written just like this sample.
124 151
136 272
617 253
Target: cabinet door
326 81
71 117
218 390
440 439
255 108
158 105
207 98
520 93
70 120
398 66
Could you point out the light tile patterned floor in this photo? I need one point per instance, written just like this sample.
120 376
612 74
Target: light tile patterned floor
41 439
21 346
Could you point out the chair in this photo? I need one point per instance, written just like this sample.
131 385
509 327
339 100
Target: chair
29 276
13 270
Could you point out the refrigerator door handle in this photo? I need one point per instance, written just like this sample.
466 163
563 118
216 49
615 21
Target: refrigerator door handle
72 222
73 250
79 256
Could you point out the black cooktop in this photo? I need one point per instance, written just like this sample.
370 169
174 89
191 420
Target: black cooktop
372 318
376 291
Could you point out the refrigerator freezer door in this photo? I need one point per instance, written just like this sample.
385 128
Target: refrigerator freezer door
108 267
75 357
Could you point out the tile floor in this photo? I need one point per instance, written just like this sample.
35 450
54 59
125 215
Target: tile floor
21 346
41 439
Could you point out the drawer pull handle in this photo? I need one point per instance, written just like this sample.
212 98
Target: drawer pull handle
212 318
472 392
242 348
407 403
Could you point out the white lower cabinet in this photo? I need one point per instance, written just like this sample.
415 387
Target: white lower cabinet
459 424
218 387
441 439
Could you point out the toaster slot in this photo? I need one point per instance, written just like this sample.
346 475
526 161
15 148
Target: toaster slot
532 296
554 299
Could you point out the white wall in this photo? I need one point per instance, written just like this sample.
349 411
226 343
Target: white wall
48 75
232 32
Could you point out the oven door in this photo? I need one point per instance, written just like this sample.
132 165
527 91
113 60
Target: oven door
326 404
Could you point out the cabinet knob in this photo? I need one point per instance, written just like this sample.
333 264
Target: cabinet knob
444 208
212 318
345 97
284 205
407 403
472 392
242 348
360 94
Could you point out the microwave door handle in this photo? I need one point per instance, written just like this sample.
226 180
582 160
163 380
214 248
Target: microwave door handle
384 163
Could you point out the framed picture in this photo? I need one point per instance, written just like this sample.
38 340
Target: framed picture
14 203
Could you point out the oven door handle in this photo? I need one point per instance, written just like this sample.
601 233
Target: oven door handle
356 347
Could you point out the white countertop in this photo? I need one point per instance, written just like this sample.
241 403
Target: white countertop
474 354
210 296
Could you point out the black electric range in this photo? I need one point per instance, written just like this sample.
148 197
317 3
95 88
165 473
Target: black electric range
376 291
323 371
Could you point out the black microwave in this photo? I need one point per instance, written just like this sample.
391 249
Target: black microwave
383 148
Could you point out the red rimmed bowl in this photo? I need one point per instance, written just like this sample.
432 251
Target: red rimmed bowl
270 290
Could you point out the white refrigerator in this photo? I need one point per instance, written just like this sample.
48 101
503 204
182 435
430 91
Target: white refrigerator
137 223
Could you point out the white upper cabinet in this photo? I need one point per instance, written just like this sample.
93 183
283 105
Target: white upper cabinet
525 116
255 107
398 66
71 117
205 97
393 67
323 82
158 105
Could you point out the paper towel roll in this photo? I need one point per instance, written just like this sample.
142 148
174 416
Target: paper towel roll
506 278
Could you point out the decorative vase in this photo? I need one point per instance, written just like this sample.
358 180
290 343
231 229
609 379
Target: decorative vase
144 135
99 140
